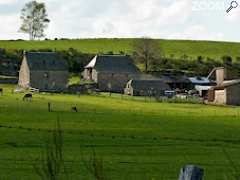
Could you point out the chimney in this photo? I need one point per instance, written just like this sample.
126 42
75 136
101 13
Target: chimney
221 75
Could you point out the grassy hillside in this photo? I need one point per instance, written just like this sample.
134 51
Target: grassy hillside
170 47
136 140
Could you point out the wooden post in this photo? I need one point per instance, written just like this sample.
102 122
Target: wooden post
191 172
49 107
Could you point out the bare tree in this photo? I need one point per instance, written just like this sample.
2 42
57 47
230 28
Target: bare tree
34 19
146 51
50 166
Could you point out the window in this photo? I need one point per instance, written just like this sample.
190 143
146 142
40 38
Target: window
46 75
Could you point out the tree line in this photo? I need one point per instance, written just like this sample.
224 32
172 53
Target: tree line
148 62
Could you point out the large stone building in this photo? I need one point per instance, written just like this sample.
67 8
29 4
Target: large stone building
227 90
45 71
111 72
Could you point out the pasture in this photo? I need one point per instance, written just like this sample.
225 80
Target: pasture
171 48
135 139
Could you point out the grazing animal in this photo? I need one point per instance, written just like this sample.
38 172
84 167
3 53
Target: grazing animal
1 91
74 109
27 97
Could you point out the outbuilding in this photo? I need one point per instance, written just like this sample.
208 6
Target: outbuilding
226 93
45 71
146 88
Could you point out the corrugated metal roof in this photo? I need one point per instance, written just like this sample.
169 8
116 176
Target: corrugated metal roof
199 80
45 61
113 63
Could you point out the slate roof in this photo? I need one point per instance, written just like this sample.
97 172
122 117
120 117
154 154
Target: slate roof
45 61
175 79
149 85
113 63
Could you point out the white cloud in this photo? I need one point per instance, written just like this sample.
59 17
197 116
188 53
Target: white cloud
233 16
4 2
10 28
119 18
198 32
125 18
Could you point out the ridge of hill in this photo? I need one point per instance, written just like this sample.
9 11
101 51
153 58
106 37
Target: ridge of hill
171 48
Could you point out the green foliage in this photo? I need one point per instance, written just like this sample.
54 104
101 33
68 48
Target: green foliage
148 52
178 48
34 19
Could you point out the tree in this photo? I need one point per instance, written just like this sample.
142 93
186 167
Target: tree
146 51
34 19
227 61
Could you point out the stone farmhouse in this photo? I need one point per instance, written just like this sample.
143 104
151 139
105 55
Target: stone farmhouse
45 71
227 90
111 72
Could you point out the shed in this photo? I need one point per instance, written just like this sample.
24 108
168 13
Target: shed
146 87
226 93
46 71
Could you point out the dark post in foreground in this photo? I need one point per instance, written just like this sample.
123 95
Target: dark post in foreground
49 107
191 172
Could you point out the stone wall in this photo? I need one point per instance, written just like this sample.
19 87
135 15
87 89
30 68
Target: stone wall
24 75
116 81
49 80
220 97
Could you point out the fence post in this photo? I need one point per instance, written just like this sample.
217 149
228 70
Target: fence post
49 107
191 172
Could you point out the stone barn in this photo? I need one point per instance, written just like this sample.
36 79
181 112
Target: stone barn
111 72
146 88
46 71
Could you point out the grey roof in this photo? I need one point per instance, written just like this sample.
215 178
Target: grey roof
226 84
149 85
174 79
45 61
113 63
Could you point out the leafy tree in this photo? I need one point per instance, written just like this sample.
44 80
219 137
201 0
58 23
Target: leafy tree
146 51
34 19
227 61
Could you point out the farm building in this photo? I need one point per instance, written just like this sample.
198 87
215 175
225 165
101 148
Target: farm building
45 71
225 93
111 72
176 80
227 89
146 87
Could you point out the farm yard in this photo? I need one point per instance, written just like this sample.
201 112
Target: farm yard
134 139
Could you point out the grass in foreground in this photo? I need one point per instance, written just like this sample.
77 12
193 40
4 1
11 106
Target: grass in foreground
136 140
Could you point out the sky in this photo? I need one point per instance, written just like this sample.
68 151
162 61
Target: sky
165 19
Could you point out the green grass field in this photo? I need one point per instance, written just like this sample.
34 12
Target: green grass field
135 139
170 47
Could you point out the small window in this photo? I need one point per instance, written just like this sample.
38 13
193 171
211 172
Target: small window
46 75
